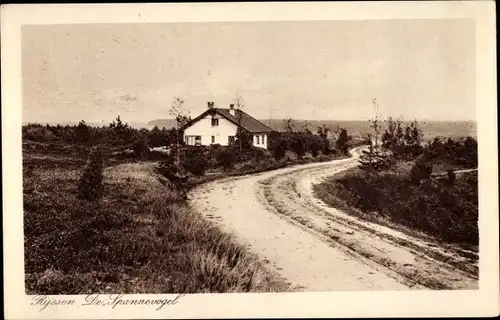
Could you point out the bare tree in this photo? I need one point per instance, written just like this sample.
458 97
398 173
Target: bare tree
373 159
305 127
289 125
375 125
182 117
242 137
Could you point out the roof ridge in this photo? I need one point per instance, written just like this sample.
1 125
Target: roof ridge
244 120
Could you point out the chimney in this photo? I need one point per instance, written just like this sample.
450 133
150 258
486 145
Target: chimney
210 104
231 109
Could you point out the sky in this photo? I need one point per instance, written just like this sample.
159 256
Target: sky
314 70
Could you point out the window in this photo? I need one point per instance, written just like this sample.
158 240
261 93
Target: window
213 139
258 139
197 141
215 122
230 140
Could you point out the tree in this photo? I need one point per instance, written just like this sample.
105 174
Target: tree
374 159
289 125
389 139
375 125
341 144
119 133
90 184
315 144
243 138
323 131
412 138
277 145
82 133
305 128
141 147
298 146
181 118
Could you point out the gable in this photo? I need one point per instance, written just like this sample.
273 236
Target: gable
240 118
203 126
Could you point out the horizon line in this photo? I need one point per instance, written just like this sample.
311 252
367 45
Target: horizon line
262 120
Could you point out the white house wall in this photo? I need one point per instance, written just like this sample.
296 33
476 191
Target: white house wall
203 127
262 139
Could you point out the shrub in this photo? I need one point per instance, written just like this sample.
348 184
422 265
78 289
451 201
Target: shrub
195 161
90 185
447 213
278 150
226 158
421 170
298 146
341 144
315 145
141 147
243 139
451 176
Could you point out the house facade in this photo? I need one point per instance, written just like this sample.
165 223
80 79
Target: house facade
219 126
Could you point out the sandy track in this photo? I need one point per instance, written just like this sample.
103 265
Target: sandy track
320 248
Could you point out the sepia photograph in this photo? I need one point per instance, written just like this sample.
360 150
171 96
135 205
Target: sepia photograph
232 157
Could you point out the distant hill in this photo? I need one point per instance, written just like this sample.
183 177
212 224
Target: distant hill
167 123
431 129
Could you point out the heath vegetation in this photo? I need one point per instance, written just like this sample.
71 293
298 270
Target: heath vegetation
430 187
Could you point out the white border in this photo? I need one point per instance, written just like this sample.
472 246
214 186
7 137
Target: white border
483 302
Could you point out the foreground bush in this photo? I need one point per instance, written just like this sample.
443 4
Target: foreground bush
421 170
195 161
141 147
226 158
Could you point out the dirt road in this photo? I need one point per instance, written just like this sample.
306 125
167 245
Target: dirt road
318 248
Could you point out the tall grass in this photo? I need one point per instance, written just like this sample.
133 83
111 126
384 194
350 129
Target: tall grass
139 238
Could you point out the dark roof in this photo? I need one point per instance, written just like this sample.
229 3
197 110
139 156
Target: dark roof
240 118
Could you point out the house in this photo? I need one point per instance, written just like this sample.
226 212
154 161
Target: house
219 126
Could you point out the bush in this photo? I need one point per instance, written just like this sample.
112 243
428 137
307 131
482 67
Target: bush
90 185
447 213
141 147
226 158
421 170
315 145
195 161
243 139
341 144
278 150
298 146
451 176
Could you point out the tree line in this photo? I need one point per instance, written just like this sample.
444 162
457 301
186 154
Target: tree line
116 133
404 142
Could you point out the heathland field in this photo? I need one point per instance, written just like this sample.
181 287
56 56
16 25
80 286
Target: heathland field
140 237
120 222
105 210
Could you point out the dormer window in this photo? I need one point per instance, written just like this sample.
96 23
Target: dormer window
215 122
